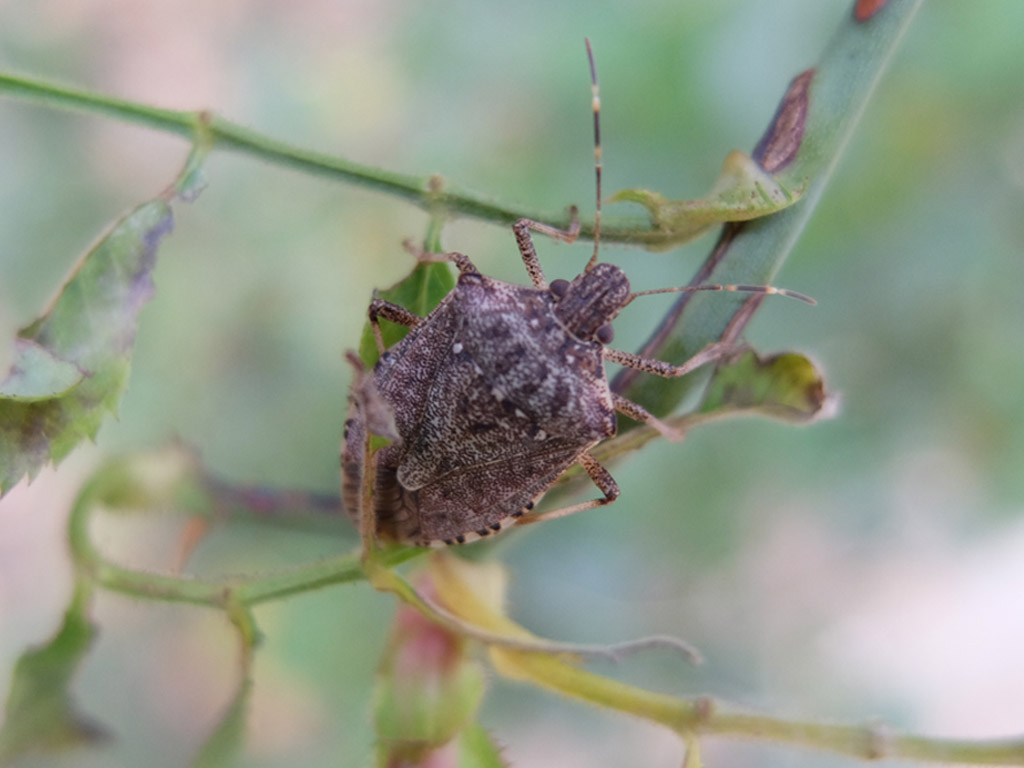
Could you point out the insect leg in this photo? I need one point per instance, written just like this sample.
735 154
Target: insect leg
353 458
460 260
710 353
523 226
357 459
637 412
522 229
602 479
396 314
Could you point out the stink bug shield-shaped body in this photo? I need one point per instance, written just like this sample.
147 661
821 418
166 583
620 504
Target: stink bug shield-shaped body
494 394
493 398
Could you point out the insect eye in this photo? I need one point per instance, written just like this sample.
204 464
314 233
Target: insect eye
558 288
605 333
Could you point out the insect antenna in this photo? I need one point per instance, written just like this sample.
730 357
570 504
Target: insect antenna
767 289
595 102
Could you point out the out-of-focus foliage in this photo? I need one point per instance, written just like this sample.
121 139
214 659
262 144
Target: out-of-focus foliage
743 191
39 706
810 565
71 365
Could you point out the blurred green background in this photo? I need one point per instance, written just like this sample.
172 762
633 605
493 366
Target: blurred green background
871 565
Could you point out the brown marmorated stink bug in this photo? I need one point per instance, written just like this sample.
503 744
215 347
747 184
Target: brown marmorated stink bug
496 393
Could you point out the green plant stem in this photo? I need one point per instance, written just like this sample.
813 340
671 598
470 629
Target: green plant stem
117 487
706 717
871 742
839 88
431 193
224 593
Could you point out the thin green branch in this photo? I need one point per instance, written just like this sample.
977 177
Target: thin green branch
121 485
108 487
704 717
431 193
63 97
387 580
871 742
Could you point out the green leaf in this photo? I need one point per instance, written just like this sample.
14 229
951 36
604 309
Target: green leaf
800 148
37 374
784 386
224 746
743 191
478 750
419 292
41 715
71 365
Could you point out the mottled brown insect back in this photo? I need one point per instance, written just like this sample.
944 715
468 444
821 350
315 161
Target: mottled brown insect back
507 399
491 397
494 395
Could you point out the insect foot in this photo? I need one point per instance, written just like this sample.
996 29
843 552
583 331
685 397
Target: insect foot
495 394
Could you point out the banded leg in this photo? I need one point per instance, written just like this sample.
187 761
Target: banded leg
602 479
637 412
522 229
460 260
395 313
710 353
